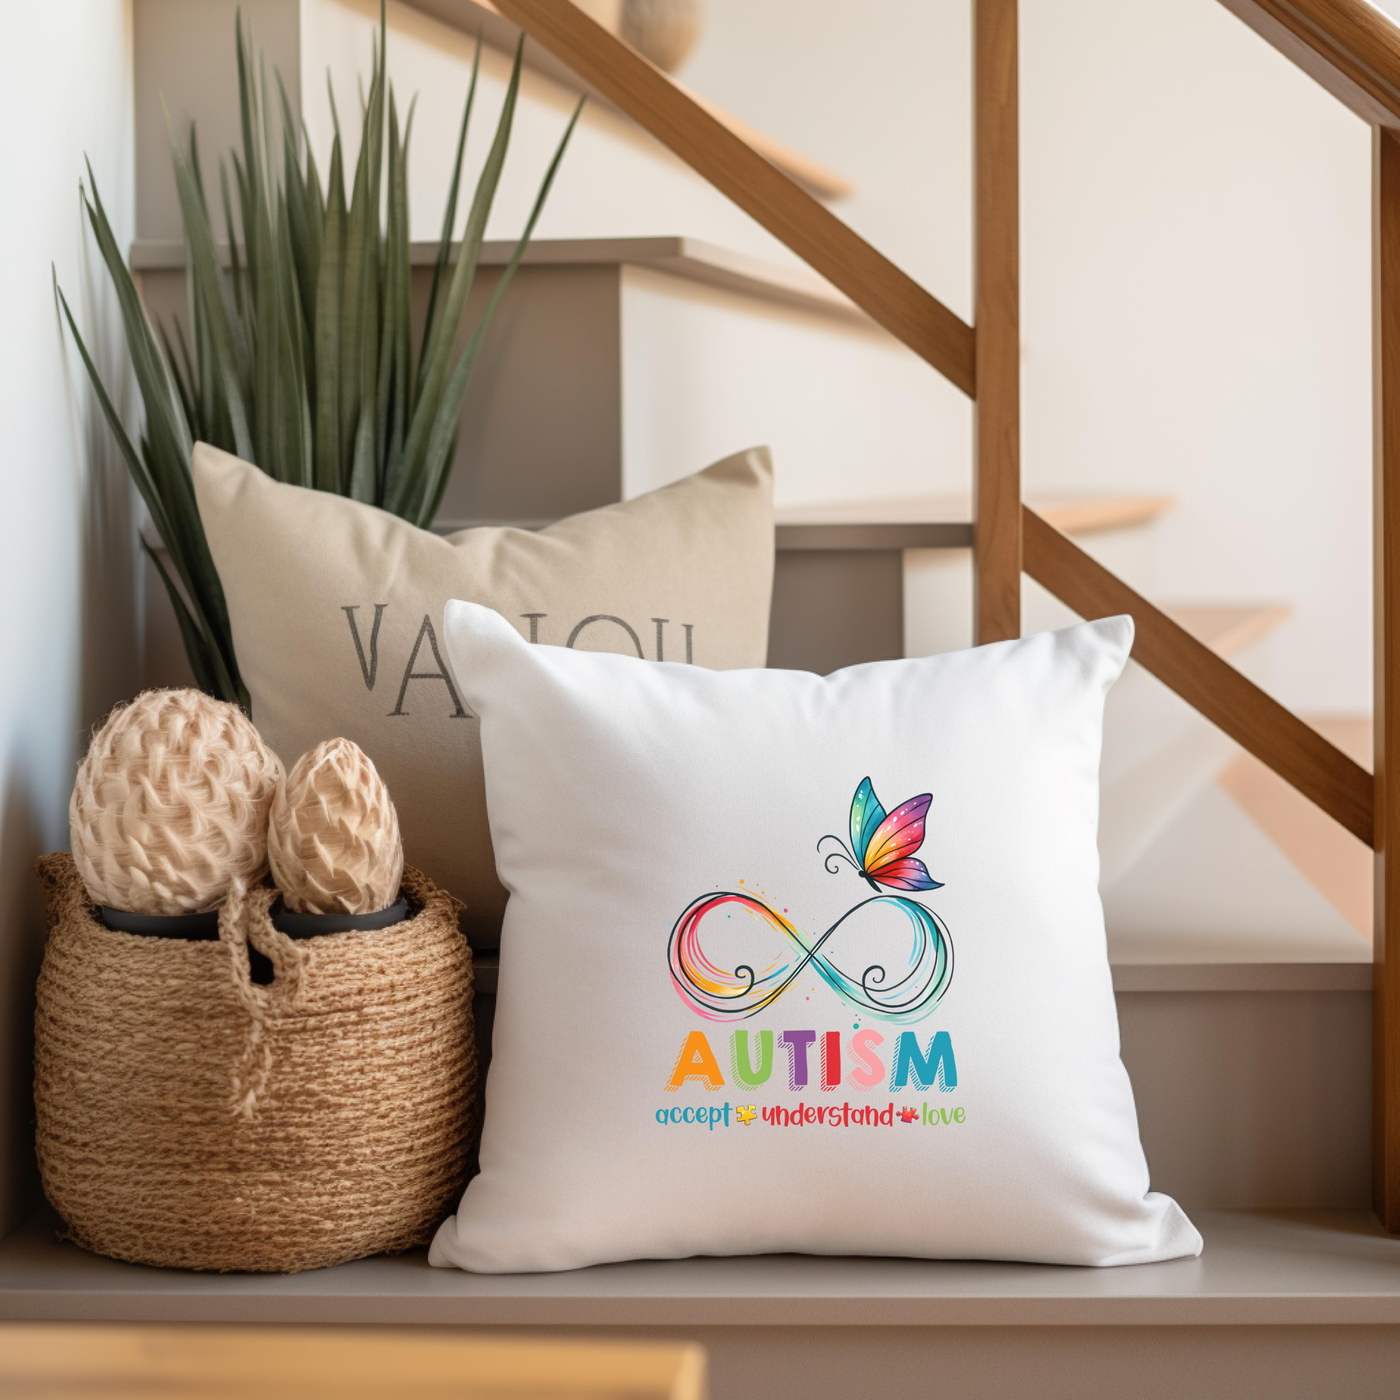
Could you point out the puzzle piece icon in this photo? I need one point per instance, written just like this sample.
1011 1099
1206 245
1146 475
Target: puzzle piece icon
908 1115
746 1113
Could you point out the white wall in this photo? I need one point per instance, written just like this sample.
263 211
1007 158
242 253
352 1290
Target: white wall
844 407
1195 258
66 590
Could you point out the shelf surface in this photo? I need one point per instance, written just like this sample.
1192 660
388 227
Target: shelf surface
1257 1269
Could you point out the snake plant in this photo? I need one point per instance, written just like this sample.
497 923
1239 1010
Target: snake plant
299 352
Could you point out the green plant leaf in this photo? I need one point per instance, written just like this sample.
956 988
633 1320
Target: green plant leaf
172 511
442 447
228 342
297 351
449 217
200 652
396 347
330 293
437 355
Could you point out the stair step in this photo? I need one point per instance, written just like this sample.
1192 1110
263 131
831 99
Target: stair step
1158 755
1074 514
690 259
1334 861
1214 886
475 17
1227 628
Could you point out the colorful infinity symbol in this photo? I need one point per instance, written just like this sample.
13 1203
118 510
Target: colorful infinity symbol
903 996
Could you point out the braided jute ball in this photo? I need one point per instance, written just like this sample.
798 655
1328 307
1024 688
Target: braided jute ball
333 836
170 805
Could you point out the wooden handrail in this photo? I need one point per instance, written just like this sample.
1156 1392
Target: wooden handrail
1349 46
889 296
1250 716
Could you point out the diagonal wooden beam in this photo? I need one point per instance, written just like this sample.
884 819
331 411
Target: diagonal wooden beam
887 295
1251 717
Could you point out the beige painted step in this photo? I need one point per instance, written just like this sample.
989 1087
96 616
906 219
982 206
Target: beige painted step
1249 870
1227 628
1158 755
1213 887
1142 714
1334 861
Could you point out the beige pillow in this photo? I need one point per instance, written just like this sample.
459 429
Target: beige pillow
337 607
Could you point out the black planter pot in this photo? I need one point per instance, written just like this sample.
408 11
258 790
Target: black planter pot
205 927
194 926
314 925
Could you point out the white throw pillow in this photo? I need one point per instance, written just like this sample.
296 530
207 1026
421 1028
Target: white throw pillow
335 606
742 1010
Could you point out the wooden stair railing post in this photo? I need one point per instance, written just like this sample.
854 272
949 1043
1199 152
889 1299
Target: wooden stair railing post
997 321
1386 412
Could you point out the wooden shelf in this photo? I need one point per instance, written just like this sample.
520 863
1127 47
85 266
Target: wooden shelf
95 1362
1258 1268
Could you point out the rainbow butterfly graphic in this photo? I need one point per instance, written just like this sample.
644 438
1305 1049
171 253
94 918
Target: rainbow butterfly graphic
881 853
883 844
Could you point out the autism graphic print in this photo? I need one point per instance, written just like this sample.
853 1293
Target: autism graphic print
882 852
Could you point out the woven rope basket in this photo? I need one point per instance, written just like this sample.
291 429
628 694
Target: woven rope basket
191 1118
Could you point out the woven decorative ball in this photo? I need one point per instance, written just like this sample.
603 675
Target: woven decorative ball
189 1117
333 835
170 805
664 31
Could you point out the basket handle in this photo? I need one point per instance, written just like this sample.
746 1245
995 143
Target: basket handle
245 917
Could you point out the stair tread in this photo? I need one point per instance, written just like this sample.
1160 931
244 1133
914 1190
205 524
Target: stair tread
1215 885
691 259
1228 627
1074 514
1257 1268
1333 860
473 17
